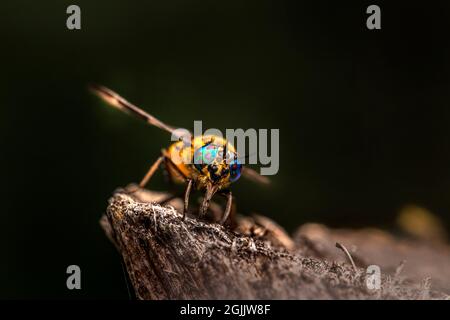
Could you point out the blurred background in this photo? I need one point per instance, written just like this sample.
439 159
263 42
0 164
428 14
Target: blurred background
363 116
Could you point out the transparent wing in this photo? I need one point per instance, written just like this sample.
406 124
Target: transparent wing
255 176
116 101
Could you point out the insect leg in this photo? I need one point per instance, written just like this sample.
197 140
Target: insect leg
229 196
151 171
186 197
170 180
190 182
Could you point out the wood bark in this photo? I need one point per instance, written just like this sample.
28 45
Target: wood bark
170 258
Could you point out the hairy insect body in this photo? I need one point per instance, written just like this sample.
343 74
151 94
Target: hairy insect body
208 163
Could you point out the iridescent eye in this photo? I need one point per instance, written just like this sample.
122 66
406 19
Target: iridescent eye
235 170
204 156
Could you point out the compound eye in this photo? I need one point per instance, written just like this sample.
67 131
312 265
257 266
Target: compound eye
235 170
204 156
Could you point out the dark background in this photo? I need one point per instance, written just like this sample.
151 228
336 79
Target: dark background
363 117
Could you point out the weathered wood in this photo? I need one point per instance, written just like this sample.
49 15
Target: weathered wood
168 258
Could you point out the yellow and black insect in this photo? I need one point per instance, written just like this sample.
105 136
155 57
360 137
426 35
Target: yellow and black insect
213 162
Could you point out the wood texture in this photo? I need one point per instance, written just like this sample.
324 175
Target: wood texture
168 258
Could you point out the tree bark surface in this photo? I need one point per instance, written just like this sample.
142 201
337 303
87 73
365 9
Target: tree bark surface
170 258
